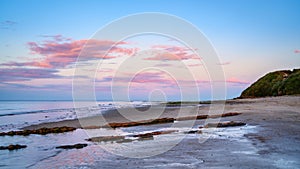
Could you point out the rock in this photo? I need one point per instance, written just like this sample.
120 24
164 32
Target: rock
12 147
193 132
151 134
75 146
145 122
41 131
106 138
225 124
122 139
145 138
208 116
162 120
224 115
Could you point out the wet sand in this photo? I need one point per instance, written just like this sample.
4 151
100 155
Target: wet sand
273 144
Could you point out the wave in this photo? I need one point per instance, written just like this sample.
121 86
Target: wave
34 111
101 107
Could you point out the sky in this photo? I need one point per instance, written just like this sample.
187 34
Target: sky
41 40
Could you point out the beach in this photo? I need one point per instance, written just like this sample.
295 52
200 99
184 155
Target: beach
270 139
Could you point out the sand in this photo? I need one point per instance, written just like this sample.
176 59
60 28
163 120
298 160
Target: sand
274 143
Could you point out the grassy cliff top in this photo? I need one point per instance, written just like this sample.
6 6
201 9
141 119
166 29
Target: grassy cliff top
278 83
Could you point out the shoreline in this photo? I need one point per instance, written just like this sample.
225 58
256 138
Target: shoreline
113 116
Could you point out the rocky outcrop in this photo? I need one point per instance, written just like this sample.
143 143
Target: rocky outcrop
146 122
41 131
12 147
225 124
123 139
193 132
75 146
151 134
164 120
199 117
106 138
284 82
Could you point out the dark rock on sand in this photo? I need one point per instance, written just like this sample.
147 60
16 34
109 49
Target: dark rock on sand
163 120
106 138
41 131
225 124
199 117
146 122
224 115
193 132
12 147
145 138
75 146
122 139
75 123
151 134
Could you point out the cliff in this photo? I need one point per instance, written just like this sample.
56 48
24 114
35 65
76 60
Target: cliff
278 83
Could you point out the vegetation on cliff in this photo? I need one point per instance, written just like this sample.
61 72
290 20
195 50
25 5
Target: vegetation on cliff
278 83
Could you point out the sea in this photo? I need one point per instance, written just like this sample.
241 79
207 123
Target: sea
15 115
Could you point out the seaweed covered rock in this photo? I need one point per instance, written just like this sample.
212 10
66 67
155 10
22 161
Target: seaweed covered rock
75 146
284 82
41 131
145 122
12 147
193 132
151 134
225 124
106 138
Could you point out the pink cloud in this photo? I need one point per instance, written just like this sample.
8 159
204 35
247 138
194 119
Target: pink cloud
173 53
58 37
23 74
168 56
158 78
297 51
237 81
224 63
43 87
153 77
146 82
21 64
164 56
171 48
60 51
59 55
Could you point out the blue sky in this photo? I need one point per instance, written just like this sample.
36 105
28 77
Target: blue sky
251 37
